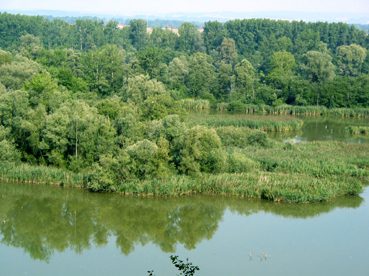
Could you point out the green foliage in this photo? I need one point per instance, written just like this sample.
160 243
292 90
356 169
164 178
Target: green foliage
14 75
186 269
239 163
158 107
318 66
76 97
138 33
140 88
201 74
350 58
228 51
5 57
149 59
258 138
244 77
281 66
8 151
357 129
199 149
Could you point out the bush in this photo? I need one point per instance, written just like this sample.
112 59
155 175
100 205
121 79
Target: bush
258 138
239 163
198 150
236 106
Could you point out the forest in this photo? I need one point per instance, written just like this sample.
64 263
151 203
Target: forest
92 105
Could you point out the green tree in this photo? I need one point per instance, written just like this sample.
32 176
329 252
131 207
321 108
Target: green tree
350 58
244 78
186 40
213 35
318 67
178 73
138 33
5 57
199 150
281 67
201 74
30 46
15 74
228 51
224 78
78 135
141 87
149 59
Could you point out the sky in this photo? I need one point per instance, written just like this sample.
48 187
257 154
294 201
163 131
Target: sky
170 6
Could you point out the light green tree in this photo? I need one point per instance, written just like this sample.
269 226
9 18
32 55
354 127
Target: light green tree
14 75
228 51
281 66
141 87
350 58
201 74
244 78
318 67
178 72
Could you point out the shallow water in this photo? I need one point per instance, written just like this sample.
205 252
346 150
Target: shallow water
315 128
48 230
325 128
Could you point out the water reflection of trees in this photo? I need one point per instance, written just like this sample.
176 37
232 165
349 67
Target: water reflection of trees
43 219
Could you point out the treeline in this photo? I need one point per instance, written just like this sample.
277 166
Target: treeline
255 61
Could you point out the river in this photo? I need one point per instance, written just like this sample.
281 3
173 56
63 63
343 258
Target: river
47 230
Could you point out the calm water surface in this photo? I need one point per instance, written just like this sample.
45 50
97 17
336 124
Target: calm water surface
59 231
325 128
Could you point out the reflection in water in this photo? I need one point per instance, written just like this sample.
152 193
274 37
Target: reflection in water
324 128
43 219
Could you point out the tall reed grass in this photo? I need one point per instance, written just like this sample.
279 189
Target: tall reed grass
298 110
317 159
265 123
41 175
271 186
196 104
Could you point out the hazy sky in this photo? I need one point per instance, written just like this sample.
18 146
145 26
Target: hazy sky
164 6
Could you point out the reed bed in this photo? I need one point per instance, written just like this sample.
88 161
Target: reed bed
298 110
357 129
196 104
270 186
265 123
349 112
41 175
316 159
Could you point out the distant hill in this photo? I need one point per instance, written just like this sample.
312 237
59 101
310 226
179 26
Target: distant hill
347 17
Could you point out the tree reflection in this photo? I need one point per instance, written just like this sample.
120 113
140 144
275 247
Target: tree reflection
43 219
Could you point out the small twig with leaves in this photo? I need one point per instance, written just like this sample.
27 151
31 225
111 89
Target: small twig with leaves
187 269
